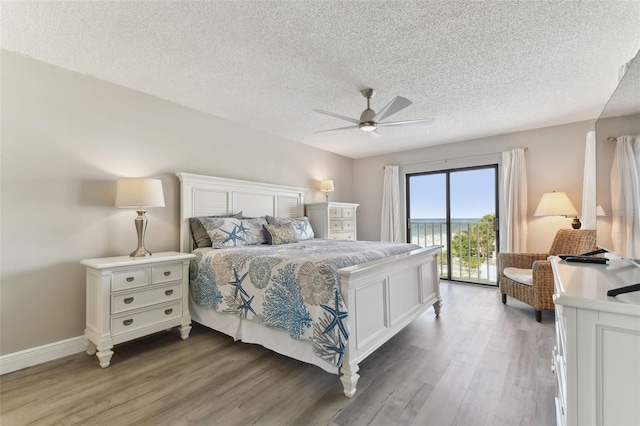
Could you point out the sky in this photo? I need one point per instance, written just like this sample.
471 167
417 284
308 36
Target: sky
472 194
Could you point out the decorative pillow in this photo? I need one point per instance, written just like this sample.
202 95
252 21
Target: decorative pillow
255 227
201 225
231 232
301 226
280 234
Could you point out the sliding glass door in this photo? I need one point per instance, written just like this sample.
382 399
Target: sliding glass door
457 209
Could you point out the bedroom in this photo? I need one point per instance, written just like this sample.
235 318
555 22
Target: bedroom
67 136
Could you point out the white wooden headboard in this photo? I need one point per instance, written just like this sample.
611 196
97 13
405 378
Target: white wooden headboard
202 195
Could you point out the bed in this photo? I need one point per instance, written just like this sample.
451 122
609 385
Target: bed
382 290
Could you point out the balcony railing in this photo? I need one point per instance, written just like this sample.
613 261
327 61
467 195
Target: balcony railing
472 251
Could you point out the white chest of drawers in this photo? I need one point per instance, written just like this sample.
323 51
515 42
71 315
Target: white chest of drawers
336 221
597 355
131 297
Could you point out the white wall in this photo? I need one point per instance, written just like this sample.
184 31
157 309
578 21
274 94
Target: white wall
555 161
66 139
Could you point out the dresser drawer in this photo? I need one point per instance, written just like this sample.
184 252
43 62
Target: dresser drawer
343 236
347 225
148 296
335 225
348 213
126 323
129 279
335 212
166 273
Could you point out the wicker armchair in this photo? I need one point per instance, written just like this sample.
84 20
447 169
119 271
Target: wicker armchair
530 278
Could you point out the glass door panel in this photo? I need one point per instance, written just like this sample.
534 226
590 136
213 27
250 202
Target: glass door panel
456 209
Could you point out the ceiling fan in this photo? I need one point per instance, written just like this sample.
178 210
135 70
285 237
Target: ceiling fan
369 121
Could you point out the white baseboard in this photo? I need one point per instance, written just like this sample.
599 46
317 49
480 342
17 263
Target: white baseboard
41 354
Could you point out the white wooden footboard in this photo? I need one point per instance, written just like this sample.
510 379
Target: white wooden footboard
383 297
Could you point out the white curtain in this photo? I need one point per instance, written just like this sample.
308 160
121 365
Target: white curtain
391 229
625 197
513 207
588 217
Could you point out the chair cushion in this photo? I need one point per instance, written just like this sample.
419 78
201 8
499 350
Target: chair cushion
524 276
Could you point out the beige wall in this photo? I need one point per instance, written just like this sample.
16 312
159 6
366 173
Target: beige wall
555 161
66 139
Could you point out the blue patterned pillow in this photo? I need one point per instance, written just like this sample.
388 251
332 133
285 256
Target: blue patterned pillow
231 232
200 226
301 226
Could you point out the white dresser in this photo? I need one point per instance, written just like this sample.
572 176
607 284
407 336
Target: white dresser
335 221
130 297
597 357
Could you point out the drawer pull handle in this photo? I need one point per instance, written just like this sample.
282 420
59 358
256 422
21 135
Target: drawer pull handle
128 300
167 273
168 292
130 279
168 311
128 322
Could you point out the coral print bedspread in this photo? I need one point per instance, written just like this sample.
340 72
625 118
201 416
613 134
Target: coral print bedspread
292 287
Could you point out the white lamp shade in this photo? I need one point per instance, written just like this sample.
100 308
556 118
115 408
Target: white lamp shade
136 193
555 204
326 185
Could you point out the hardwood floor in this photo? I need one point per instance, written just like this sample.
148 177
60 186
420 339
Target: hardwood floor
480 363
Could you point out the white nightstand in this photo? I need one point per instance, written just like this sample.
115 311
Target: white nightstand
131 297
335 221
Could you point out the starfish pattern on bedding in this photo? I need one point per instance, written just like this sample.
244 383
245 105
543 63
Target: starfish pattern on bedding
237 283
233 236
245 306
338 317
339 350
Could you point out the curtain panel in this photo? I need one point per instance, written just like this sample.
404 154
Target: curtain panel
588 217
625 197
391 225
513 208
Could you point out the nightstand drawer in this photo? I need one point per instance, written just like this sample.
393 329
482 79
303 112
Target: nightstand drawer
126 323
166 273
146 297
129 279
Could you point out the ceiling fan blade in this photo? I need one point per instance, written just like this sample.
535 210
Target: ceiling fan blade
407 122
397 104
339 128
341 117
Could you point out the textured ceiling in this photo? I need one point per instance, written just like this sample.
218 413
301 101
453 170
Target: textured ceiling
478 68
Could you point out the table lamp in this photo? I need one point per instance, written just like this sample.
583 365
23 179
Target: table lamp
138 194
557 204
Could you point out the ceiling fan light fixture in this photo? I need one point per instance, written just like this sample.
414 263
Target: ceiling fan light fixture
367 126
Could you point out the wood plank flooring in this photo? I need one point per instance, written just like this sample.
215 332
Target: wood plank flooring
480 363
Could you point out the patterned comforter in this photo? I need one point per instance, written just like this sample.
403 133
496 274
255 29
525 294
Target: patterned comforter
291 287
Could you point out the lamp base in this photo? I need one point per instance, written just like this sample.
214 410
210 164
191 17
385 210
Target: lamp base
140 252
575 223
141 227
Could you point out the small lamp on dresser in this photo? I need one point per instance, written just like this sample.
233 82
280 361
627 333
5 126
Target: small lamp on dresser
326 186
138 194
